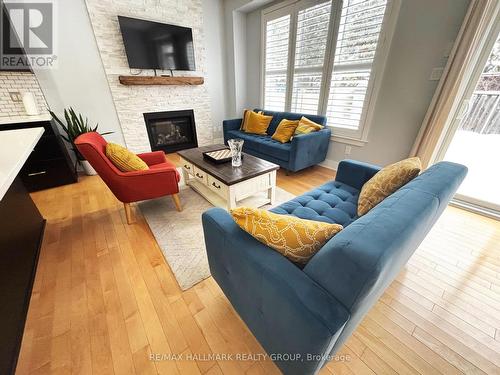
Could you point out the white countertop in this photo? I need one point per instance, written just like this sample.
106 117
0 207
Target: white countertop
15 147
21 119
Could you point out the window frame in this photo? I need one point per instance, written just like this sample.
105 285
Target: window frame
356 137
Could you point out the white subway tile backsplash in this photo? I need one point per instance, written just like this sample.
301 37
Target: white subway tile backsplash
18 82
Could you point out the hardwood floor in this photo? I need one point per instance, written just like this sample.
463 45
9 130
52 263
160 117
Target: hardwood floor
104 300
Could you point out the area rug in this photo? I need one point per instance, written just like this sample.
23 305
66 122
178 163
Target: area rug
180 234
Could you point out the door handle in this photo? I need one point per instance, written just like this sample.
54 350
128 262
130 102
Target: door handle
36 173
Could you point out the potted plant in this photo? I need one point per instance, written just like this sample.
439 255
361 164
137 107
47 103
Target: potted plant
75 126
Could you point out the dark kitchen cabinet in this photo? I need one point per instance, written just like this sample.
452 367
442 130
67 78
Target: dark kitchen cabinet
49 165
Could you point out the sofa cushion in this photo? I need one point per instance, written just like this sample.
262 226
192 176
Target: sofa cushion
333 202
263 144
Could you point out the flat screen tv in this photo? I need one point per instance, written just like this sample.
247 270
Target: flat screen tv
154 45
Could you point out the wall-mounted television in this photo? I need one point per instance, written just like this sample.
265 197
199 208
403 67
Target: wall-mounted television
154 45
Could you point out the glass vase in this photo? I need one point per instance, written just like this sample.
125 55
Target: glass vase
236 145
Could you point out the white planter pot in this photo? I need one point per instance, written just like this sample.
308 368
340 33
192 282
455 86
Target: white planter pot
89 171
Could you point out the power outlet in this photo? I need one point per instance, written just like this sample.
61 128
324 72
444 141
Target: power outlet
348 150
15 96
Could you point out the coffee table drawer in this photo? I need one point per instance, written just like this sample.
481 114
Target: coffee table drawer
187 166
217 186
200 175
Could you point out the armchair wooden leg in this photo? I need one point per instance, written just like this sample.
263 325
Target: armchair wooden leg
128 213
177 202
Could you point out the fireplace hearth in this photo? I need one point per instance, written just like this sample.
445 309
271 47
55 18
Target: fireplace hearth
171 131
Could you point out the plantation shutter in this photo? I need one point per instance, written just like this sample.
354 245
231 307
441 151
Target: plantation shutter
358 36
276 63
310 47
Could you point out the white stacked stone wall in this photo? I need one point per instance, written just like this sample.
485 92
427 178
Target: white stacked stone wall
132 101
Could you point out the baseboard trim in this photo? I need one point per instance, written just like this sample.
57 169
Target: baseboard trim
330 164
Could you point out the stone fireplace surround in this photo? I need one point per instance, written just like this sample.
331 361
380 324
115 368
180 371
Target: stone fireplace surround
131 102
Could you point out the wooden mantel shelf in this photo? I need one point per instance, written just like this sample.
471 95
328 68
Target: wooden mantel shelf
160 80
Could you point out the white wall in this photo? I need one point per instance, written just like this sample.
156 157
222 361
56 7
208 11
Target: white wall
213 24
79 80
424 32
253 58
239 44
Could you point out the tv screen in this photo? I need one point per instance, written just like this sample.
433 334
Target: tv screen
154 45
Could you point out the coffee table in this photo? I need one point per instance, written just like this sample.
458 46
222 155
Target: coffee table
253 184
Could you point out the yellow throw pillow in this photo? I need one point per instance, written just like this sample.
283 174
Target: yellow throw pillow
387 181
297 239
285 130
307 126
244 120
257 123
123 159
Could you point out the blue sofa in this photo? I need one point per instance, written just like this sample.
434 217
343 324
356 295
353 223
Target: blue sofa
312 311
303 151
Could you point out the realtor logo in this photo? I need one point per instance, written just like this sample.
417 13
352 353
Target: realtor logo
27 34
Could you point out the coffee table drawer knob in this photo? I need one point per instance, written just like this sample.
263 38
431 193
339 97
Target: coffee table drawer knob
187 167
199 175
215 185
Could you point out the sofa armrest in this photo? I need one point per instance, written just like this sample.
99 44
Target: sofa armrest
285 309
152 158
233 124
309 149
355 173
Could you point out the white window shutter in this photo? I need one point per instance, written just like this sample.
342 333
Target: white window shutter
310 48
276 63
358 35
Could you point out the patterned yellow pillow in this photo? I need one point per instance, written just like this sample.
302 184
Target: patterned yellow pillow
295 238
307 126
123 159
387 181
285 130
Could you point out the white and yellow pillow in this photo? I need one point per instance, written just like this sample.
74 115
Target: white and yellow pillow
307 126
297 239
387 181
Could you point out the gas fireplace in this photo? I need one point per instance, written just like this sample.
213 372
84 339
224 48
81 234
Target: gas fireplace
171 131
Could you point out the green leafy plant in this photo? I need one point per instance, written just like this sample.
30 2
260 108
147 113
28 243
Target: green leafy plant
75 126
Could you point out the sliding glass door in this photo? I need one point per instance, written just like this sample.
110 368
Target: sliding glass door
475 137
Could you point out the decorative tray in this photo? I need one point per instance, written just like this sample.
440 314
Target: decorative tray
218 156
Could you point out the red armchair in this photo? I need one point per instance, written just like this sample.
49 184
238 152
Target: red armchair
160 179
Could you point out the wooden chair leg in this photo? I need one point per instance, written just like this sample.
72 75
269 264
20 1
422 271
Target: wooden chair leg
128 213
177 202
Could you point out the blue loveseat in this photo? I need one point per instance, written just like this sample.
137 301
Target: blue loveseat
303 151
309 313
